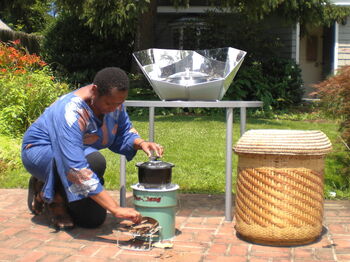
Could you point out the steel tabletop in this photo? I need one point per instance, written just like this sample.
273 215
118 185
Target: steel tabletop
229 105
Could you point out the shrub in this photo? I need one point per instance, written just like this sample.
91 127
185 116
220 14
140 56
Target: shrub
14 58
76 54
283 77
250 84
276 81
27 88
335 96
30 41
10 153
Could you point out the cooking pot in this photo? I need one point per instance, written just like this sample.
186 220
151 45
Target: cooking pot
154 173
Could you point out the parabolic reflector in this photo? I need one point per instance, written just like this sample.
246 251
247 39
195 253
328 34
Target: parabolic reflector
190 74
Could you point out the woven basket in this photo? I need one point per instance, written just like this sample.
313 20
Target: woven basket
279 197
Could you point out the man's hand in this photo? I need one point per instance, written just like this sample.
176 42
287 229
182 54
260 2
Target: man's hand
149 147
107 202
128 213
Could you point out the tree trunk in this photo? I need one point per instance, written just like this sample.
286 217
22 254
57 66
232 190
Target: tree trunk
144 37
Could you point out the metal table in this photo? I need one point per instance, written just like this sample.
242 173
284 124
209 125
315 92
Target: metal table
229 105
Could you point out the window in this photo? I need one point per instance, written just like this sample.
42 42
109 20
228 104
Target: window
186 32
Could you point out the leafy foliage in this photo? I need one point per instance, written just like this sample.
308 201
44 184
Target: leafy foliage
25 15
27 88
15 59
10 156
335 96
106 18
277 82
76 53
316 12
30 41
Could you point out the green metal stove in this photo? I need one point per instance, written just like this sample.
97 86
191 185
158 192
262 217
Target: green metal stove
159 204
155 196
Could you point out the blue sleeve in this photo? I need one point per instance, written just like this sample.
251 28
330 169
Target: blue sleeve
125 137
67 140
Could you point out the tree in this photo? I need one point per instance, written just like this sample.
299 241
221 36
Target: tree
73 51
123 17
120 18
316 12
29 16
117 17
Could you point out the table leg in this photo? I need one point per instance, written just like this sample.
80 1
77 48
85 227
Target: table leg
243 119
151 124
122 181
228 190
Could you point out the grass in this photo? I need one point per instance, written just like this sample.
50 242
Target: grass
196 145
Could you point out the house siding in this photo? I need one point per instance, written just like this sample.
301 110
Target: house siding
163 37
276 27
286 33
287 37
344 44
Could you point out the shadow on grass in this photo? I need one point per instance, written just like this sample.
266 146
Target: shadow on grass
205 118
269 122
179 118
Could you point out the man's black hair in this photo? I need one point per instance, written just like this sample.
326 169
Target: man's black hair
109 78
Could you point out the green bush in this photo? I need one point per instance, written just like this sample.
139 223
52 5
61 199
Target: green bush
335 97
264 75
250 84
10 153
276 81
284 79
27 88
76 54
30 41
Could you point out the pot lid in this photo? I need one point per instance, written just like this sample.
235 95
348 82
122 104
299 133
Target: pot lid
154 163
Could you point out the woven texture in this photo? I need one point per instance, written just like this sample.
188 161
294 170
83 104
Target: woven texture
279 197
275 141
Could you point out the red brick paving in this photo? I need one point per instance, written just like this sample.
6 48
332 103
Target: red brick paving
204 236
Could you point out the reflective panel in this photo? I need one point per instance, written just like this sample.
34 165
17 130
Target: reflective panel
190 75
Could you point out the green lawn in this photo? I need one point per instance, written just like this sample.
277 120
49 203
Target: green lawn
196 145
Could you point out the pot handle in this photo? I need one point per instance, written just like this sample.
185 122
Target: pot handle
153 158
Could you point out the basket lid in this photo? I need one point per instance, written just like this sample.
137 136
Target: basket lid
283 142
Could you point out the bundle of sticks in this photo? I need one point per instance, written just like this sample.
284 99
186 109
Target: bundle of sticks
147 226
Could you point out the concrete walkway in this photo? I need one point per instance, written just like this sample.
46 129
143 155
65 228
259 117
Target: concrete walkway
203 236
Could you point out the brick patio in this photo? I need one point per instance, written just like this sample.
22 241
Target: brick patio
203 236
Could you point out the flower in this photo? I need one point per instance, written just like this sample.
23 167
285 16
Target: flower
16 42
16 59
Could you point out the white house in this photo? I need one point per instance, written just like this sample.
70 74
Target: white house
319 53
323 51
342 40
